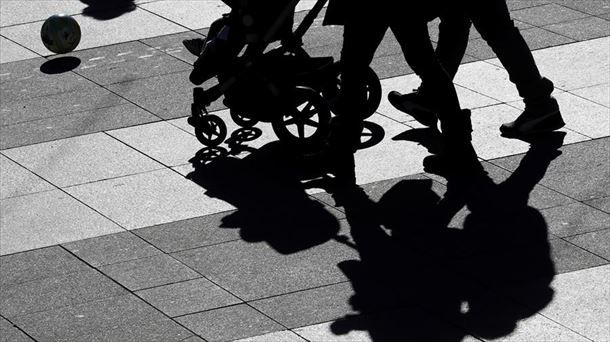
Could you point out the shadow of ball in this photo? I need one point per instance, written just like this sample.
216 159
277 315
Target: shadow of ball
60 65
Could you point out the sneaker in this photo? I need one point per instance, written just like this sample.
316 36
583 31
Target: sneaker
535 119
194 46
415 105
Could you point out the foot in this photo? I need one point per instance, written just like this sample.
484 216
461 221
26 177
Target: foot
194 46
415 105
537 118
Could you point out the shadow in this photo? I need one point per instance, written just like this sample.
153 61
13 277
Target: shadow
60 65
372 134
420 279
265 187
430 138
107 9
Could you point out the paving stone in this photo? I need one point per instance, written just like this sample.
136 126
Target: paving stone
10 333
574 219
479 75
595 242
569 258
48 218
595 123
111 249
278 336
149 272
126 62
188 297
12 52
172 45
57 292
16 180
229 323
518 4
193 14
74 124
124 318
581 172
582 29
308 307
546 14
19 12
391 66
194 338
38 264
479 49
252 271
602 204
538 38
598 94
82 159
587 6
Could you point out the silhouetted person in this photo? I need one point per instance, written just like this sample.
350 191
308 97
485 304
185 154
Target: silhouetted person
492 20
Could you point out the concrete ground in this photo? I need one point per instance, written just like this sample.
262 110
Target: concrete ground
112 229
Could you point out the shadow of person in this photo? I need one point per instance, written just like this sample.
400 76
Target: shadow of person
419 279
107 9
265 187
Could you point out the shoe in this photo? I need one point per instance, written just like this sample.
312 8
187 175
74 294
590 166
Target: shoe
194 46
537 118
415 105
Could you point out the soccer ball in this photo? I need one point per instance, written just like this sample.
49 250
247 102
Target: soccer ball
60 33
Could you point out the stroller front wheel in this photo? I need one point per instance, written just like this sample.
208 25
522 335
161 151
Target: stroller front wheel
242 120
210 130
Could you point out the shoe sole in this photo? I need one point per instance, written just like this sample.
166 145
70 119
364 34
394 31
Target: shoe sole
516 133
418 113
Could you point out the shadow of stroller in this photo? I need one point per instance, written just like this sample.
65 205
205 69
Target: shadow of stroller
107 9
272 206
418 279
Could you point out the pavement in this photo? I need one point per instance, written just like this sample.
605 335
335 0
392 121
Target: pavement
114 229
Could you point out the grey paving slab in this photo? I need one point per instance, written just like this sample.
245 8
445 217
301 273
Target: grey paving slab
10 333
124 318
148 199
582 29
82 159
518 4
576 218
46 219
229 323
308 307
190 14
16 180
587 6
74 124
546 14
391 66
194 338
12 52
538 38
172 45
598 94
149 272
168 96
584 116
187 234
278 336
581 172
126 62
255 270
188 297
57 292
20 11
111 249
569 258
602 204
596 242
23 81
604 16
479 49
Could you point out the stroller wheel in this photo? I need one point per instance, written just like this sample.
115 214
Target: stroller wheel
210 130
242 120
373 91
306 123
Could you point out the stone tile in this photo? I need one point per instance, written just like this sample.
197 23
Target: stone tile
575 219
74 124
12 52
10 333
172 45
569 258
587 6
598 94
149 272
161 141
194 338
278 336
391 66
581 172
308 307
46 219
111 249
538 38
141 24
82 159
267 272
546 14
478 76
229 323
16 180
38 264
191 233
57 292
479 49
602 204
580 302
584 116
148 199
124 318
126 62
595 242
20 12
190 14
188 297
582 29
519 4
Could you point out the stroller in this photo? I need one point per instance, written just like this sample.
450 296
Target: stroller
283 85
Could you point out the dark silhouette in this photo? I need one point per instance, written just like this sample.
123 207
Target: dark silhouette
107 9
419 279
60 65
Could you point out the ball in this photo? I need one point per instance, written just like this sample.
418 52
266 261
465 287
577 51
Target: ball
60 33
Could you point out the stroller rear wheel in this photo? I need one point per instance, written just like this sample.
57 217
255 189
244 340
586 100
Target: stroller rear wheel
305 125
242 120
210 130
